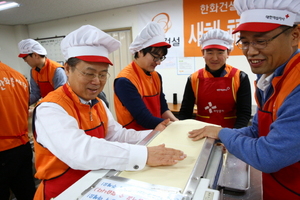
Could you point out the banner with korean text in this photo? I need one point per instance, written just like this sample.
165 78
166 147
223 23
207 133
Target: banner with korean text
201 16
169 15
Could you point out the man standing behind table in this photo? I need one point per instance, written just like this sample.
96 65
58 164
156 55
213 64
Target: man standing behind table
139 99
269 37
45 75
15 149
221 92
75 131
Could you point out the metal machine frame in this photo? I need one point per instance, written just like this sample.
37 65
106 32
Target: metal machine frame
209 166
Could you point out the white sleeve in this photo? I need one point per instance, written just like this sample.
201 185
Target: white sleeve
117 133
59 133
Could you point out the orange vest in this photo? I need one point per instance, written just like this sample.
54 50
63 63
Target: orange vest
44 78
224 112
14 97
147 86
289 84
48 166
284 183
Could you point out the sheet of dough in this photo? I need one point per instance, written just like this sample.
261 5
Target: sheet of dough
174 136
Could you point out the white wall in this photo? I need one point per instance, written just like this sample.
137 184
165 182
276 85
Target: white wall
9 38
106 20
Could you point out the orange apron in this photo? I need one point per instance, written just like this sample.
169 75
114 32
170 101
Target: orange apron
53 187
44 77
151 102
285 183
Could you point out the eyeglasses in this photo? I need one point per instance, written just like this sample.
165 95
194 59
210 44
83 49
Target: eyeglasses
156 59
102 77
259 44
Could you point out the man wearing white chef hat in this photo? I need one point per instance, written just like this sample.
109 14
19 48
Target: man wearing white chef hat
45 75
139 99
74 130
219 85
269 37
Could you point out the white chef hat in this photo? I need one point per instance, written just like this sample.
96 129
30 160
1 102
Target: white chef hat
151 35
266 15
216 38
90 44
29 46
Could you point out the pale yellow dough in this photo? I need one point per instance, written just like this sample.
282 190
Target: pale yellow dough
174 136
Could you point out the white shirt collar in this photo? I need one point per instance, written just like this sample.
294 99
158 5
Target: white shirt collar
264 82
85 102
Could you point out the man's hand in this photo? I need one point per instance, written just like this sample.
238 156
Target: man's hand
160 155
207 131
162 125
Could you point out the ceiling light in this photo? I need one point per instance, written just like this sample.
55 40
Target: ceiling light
4 5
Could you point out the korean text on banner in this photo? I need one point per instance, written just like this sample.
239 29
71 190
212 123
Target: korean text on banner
201 16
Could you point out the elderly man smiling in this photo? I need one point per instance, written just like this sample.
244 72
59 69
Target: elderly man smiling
75 131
